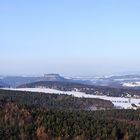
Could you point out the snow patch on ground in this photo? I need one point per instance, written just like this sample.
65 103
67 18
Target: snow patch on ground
131 84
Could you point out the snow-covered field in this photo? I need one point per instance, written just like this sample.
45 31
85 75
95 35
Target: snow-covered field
125 103
131 84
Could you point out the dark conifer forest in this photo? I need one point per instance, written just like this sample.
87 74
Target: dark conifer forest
24 117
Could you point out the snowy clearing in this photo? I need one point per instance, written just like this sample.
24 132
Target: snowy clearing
121 102
131 84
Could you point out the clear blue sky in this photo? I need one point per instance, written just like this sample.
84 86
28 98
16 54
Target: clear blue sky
70 37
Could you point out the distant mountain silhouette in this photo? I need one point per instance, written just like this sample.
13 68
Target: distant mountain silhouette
14 81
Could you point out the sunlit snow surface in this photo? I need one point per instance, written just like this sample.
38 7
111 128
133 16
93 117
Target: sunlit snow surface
131 84
117 101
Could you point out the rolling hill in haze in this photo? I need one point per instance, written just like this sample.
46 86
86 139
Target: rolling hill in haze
14 81
3 85
116 81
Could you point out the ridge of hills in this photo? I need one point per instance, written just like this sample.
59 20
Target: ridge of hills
15 81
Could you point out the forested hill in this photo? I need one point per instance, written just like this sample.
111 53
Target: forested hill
55 101
61 85
89 89
18 122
